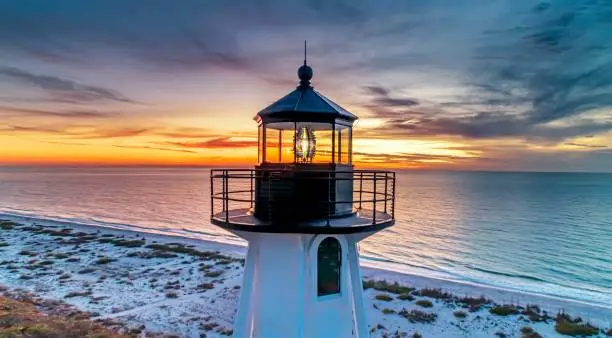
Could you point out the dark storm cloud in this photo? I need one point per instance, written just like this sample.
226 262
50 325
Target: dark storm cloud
63 89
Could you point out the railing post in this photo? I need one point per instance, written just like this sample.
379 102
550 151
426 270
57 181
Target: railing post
393 198
386 195
329 201
252 192
360 188
226 196
212 198
374 199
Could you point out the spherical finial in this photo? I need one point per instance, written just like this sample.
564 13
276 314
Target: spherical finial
305 73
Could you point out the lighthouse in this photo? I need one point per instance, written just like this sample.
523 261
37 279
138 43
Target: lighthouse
303 208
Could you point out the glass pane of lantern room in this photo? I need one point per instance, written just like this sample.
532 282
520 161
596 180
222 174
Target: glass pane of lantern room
279 142
272 145
344 137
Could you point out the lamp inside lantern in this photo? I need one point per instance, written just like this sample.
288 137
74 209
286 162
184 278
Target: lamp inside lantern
305 145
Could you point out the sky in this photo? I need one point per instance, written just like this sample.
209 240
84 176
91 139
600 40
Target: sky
437 84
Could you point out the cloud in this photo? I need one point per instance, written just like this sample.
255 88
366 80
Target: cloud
72 114
64 89
155 148
82 132
382 98
220 142
582 145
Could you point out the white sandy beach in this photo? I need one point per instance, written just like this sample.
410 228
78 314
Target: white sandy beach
191 288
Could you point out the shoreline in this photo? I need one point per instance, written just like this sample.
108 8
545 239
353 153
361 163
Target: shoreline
392 270
190 303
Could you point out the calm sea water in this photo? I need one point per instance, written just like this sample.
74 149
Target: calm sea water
545 233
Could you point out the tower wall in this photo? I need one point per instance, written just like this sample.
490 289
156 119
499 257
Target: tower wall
279 293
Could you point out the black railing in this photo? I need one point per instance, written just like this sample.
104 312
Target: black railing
265 192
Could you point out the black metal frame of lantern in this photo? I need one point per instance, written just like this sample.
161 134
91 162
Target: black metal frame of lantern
304 183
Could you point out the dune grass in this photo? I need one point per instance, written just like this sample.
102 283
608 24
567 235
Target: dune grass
21 319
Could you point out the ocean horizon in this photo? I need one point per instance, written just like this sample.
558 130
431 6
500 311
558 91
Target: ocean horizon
534 232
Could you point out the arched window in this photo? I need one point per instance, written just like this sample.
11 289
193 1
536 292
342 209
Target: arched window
329 262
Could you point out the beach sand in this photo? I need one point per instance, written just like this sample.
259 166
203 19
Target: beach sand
152 284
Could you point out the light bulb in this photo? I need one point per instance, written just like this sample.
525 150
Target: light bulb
305 144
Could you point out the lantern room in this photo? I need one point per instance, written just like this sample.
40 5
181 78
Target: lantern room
305 127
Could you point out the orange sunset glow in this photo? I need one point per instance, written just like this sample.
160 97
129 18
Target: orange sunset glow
182 89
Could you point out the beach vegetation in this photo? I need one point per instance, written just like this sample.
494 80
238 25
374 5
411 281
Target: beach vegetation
504 310
73 259
501 334
533 312
383 285
23 319
609 332
213 274
151 254
384 297
433 293
424 303
7 225
417 335
3 244
206 286
136 243
528 332
182 249
575 327
388 311
171 294
104 260
209 326
417 316
73 294
225 331
61 255
27 253
460 314
473 303
405 296
86 271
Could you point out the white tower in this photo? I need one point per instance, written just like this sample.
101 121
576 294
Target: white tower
302 209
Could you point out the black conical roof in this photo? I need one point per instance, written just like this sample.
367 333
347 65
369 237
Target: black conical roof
305 103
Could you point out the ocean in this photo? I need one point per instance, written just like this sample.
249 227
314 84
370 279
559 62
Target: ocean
542 233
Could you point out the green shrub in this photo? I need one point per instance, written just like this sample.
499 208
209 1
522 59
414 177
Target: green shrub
104 260
424 303
573 329
383 285
206 286
388 311
405 296
78 294
213 274
434 293
504 310
460 314
171 295
384 297
87 270
417 316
